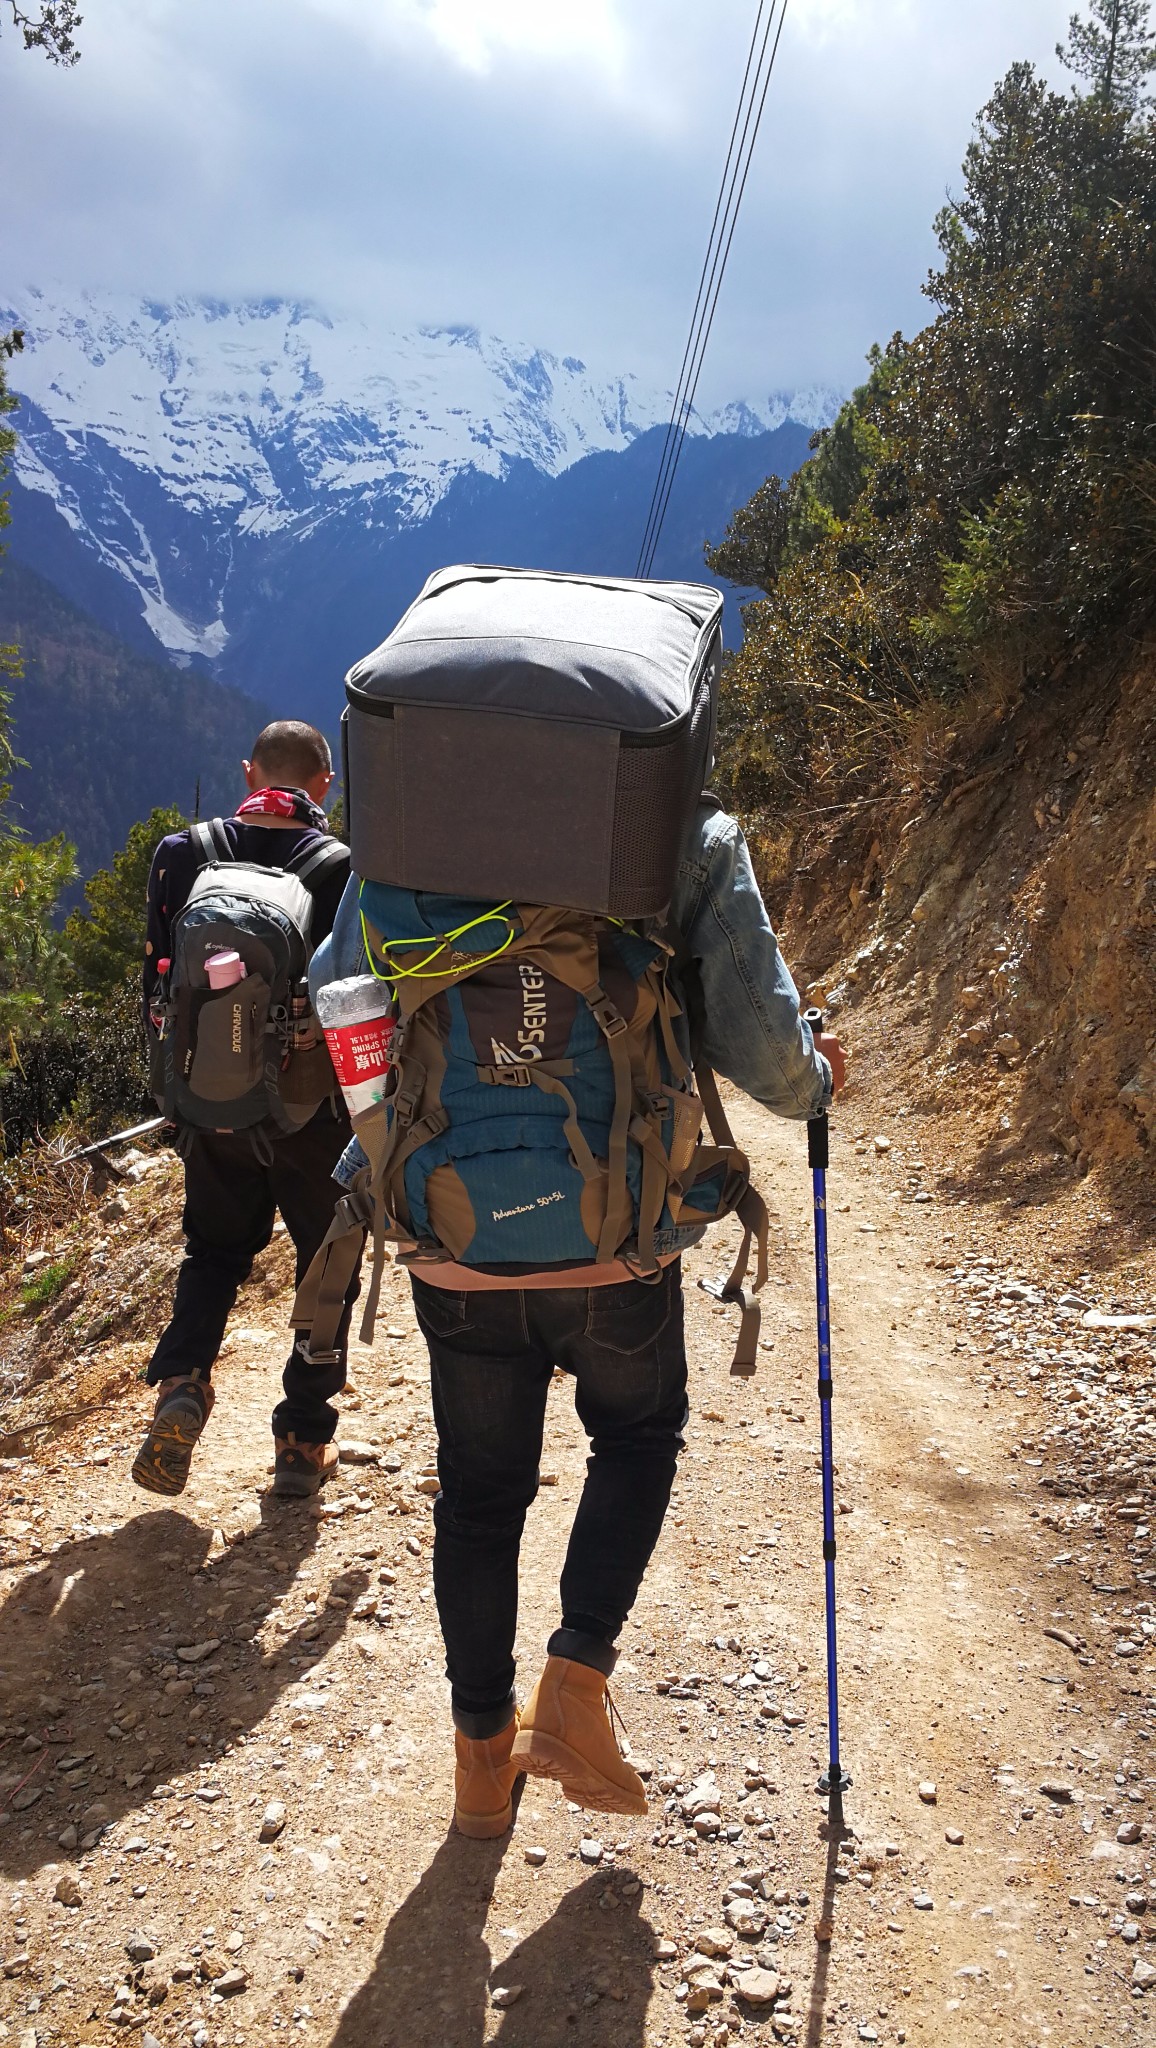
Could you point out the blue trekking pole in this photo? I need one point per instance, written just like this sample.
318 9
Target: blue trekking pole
834 1780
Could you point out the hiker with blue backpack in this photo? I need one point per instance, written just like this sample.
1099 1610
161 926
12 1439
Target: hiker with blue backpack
236 907
569 939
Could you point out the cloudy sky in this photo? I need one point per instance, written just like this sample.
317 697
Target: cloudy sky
544 168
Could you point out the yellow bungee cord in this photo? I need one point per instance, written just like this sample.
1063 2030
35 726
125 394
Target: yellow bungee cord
423 970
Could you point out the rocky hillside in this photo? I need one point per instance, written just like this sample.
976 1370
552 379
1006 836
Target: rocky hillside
989 932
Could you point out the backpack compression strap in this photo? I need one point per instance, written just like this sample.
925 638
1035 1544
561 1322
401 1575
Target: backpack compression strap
750 1208
320 1300
751 1211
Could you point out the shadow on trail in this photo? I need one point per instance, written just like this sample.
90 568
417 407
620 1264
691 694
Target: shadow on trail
93 1631
585 1975
1012 1175
836 1831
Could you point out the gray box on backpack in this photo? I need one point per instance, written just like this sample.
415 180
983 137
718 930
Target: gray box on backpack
534 737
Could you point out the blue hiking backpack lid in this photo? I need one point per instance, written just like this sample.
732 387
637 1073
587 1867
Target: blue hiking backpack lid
524 758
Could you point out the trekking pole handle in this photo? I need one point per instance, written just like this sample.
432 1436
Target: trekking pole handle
818 1146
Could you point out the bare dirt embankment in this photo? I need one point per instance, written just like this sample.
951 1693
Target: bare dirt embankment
988 937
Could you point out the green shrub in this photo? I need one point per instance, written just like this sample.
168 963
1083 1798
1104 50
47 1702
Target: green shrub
45 1285
91 1066
988 496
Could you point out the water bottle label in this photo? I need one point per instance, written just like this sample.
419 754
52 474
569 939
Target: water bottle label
360 1055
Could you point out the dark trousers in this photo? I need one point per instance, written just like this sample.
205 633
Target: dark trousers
491 1358
231 1200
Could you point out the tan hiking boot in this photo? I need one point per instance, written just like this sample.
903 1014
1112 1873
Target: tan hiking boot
183 1407
483 1784
301 1469
566 1733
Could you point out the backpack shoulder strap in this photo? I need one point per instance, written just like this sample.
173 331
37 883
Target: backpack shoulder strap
330 854
689 983
210 841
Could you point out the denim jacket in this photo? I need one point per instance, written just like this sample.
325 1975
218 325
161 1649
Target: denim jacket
753 1032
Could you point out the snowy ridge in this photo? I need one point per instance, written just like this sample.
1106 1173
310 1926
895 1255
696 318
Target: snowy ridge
168 436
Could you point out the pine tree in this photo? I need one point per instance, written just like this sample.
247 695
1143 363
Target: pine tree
1115 51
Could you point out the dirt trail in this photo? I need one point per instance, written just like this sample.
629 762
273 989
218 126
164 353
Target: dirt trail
365 1923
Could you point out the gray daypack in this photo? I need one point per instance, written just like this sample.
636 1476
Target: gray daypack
251 1056
535 737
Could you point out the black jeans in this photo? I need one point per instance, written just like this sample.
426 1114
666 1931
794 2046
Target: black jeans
231 1200
491 1359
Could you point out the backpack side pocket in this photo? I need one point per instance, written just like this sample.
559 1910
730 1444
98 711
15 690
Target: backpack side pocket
228 1029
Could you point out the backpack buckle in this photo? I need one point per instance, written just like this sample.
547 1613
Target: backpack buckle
516 1075
405 1102
354 1211
606 1015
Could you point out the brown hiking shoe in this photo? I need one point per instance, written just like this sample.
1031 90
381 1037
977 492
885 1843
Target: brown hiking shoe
483 1782
301 1469
183 1407
566 1733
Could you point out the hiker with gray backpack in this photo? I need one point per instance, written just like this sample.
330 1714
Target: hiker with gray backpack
236 908
568 939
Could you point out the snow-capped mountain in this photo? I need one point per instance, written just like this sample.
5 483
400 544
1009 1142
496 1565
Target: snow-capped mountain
193 450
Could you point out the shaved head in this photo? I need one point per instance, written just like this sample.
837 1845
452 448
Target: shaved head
290 754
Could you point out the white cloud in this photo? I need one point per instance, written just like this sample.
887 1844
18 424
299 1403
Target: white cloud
544 168
481 34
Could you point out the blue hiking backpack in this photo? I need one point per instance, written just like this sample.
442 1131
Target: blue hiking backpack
543 1110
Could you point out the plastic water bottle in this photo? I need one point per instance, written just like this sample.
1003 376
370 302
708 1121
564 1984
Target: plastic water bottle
223 969
357 1017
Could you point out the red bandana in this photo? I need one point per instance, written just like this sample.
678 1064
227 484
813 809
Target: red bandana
284 803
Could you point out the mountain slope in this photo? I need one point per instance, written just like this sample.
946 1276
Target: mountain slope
188 464
325 600
108 733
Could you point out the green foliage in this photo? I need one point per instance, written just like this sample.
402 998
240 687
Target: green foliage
45 1285
51 27
1114 51
34 968
988 498
105 940
89 1065
87 1059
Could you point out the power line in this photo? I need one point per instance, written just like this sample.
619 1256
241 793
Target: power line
740 152
719 267
671 425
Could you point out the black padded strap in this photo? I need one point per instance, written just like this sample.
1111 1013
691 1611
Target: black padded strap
210 841
688 982
329 854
